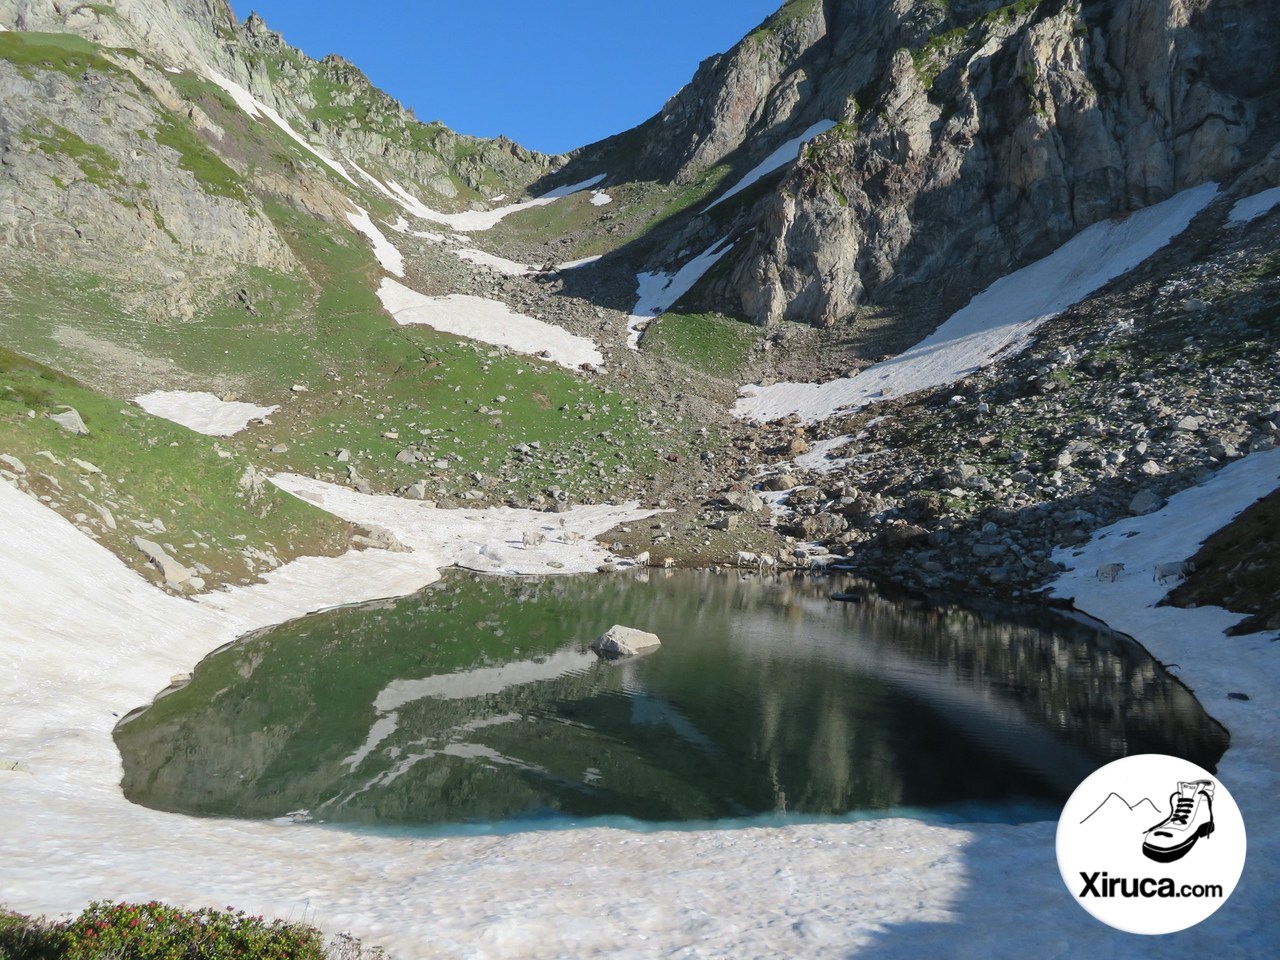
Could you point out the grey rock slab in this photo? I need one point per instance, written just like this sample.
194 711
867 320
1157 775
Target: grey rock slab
71 421
1145 502
170 569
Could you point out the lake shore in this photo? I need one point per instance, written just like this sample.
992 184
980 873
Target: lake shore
84 640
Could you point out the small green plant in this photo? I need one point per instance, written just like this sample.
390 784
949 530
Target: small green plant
156 931
931 59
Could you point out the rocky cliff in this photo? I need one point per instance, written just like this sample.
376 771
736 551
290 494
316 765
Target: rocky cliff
972 137
115 145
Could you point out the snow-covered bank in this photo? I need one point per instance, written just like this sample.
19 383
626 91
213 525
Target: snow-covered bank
787 153
998 321
489 322
472 221
388 256
657 292
202 412
83 639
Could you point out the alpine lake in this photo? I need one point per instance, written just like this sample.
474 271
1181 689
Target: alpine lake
477 705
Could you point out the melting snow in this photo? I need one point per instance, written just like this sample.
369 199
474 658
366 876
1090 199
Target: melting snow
383 248
256 108
658 291
1000 320
785 154
508 267
202 412
489 321
1250 208
599 198
84 639
471 221
575 264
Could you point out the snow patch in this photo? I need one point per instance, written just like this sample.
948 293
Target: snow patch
256 108
504 266
656 292
383 248
202 412
785 154
472 221
600 199
999 321
490 322
1250 208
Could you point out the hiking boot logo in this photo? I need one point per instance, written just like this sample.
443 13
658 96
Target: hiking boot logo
1142 878
1190 818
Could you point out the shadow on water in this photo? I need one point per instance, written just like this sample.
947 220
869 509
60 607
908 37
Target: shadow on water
476 706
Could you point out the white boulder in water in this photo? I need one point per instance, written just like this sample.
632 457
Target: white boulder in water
620 641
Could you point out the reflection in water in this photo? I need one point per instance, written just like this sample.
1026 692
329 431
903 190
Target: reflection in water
477 700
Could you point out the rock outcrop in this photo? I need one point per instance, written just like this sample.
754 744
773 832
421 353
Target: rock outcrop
972 137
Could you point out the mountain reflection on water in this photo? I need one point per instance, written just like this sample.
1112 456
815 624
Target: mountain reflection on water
477 700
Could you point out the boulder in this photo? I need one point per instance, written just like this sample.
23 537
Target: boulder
375 537
1145 502
170 569
746 501
620 641
69 419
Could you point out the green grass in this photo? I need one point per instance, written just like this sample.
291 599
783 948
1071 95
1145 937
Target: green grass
708 342
64 52
368 377
96 165
217 179
102 9
150 469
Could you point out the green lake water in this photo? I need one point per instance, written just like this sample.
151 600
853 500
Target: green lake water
478 701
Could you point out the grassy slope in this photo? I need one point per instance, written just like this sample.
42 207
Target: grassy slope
708 342
322 327
150 469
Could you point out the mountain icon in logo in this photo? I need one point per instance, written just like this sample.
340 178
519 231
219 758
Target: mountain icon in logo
1117 810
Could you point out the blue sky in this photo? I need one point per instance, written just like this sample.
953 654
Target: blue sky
551 75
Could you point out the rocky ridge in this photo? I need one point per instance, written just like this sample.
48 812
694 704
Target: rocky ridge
971 138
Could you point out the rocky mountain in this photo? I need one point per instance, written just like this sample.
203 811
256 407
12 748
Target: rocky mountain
971 137
188 201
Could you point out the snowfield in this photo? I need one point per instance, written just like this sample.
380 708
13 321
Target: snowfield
388 256
79 650
785 154
256 108
998 321
504 266
472 221
202 412
488 321
1250 208
657 292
